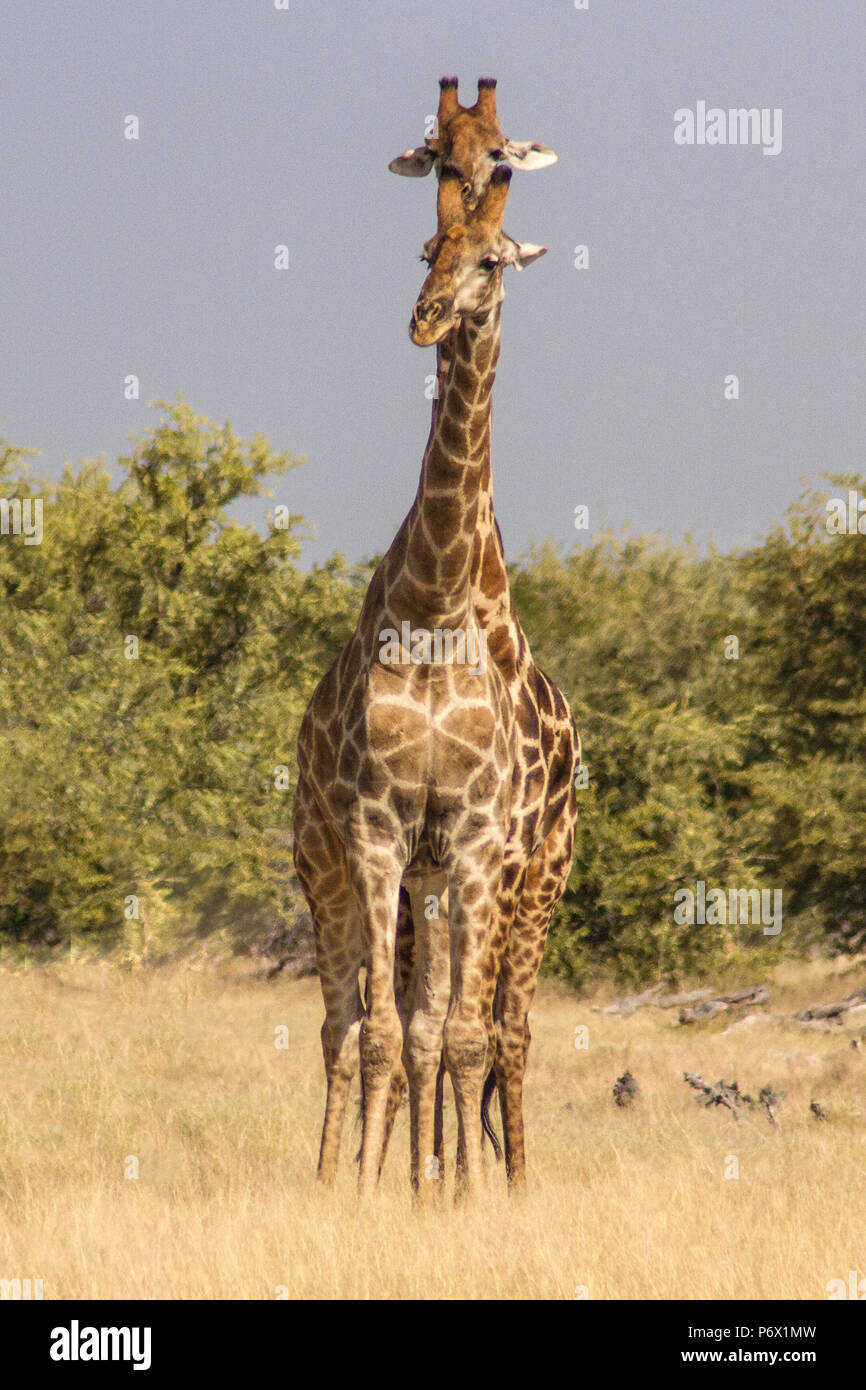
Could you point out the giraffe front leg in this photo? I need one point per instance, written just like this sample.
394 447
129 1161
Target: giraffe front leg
323 875
376 882
396 1092
423 1050
340 1033
467 1051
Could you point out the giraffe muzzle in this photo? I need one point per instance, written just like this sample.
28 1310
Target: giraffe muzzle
430 321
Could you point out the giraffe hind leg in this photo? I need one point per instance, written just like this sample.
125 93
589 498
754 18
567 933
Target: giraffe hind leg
487 1125
404 965
544 884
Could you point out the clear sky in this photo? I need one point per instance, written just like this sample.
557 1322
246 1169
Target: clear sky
261 126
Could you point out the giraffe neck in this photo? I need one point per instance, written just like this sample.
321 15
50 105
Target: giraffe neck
491 591
489 576
433 556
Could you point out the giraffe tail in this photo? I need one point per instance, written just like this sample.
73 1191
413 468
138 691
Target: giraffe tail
486 1122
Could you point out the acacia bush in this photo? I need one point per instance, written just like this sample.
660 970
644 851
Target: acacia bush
156 658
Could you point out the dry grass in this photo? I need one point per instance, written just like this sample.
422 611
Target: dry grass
179 1069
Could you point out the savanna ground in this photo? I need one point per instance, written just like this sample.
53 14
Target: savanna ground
178 1068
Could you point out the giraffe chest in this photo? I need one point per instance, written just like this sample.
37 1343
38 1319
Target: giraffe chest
420 751
434 732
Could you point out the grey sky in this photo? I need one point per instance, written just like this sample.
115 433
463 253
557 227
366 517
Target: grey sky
261 126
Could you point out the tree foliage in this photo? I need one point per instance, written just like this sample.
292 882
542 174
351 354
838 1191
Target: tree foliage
739 763
157 658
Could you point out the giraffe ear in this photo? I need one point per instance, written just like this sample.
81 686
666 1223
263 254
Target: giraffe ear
520 253
413 163
528 154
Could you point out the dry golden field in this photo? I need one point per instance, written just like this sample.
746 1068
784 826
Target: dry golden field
178 1069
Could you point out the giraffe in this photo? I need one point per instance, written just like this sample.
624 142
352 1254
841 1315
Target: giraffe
539 852
469 139
406 764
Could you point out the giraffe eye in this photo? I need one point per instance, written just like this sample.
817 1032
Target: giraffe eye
497 155
490 263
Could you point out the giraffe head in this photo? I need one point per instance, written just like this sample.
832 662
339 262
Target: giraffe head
466 258
470 140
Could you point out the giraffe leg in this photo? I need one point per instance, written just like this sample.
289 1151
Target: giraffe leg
375 872
423 1049
508 896
469 1028
323 875
396 1092
404 967
543 886
438 1127
340 1034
